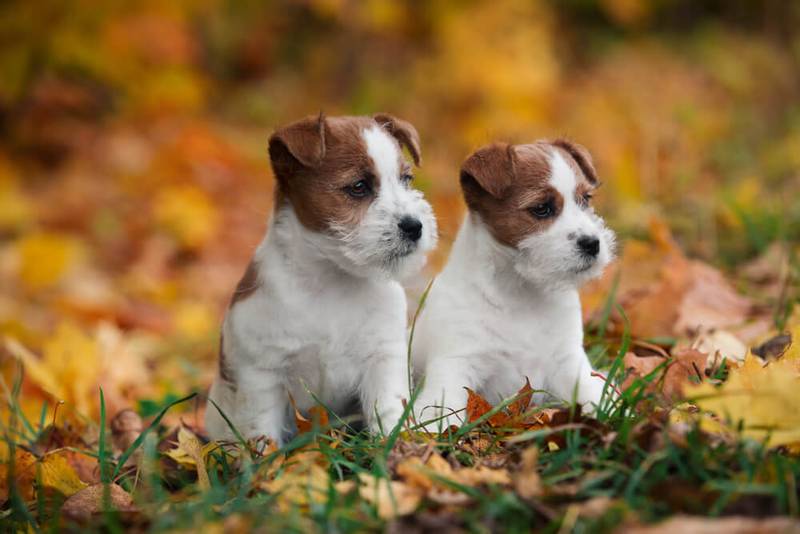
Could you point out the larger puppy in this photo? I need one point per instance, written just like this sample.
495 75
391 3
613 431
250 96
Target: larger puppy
506 306
318 312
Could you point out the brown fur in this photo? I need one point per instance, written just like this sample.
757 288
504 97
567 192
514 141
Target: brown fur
317 158
247 285
502 182
578 156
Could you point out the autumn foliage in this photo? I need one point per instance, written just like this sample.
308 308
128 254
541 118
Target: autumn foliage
134 186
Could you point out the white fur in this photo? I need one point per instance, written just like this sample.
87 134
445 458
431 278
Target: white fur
496 315
327 319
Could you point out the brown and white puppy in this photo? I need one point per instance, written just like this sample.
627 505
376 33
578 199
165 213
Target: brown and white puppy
319 311
506 306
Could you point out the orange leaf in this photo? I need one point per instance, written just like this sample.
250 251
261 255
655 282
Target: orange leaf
318 417
524 395
477 407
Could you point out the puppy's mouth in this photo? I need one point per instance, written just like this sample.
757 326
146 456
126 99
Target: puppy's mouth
400 252
583 268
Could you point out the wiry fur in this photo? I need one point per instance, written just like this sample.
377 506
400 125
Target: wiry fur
503 311
325 317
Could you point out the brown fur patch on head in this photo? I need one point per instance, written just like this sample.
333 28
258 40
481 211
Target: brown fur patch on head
333 156
403 131
501 183
579 158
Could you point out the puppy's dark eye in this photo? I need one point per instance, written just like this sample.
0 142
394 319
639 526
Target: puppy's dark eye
586 198
407 178
359 189
544 210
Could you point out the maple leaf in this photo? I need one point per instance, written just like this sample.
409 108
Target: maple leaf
477 407
763 398
524 396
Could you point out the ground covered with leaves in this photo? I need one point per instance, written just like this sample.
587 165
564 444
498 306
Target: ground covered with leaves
704 425
134 186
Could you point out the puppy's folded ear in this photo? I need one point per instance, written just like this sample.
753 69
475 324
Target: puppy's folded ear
581 156
300 144
490 169
403 131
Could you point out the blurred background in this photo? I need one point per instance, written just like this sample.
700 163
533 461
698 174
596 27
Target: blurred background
134 177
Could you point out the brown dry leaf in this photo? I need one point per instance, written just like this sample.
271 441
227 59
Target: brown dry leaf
710 302
477 407
526 479
125 428
681 369
718 344
524 396
728 525
391 498
81 506
424 475
301 485
300 479
666 294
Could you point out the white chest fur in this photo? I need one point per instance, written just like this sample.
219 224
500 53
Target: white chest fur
485 328
310 330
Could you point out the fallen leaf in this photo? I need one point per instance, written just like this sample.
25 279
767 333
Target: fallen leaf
81 506
728 525
682 368
302 479
189 452
391 498
524 396
477 407
51 472
527 483
763 398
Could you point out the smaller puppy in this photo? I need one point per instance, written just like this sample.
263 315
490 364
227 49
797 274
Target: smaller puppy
506 306
318 312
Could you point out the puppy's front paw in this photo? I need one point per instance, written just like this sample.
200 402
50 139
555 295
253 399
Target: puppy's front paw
385 421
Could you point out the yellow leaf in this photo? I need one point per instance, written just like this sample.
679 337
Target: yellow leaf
58 475
45 258
300 484
194 320
390 498
762 397
188 214
15 208
69 368
52 472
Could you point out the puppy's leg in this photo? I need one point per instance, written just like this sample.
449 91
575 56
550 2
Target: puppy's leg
575 371
444 395
384 385
262 406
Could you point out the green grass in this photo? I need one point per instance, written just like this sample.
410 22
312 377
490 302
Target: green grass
627 452
613 457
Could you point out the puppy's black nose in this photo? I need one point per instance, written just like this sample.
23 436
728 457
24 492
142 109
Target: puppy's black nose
411 227
589 245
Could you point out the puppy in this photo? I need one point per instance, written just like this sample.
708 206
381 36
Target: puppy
506 305
318 311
